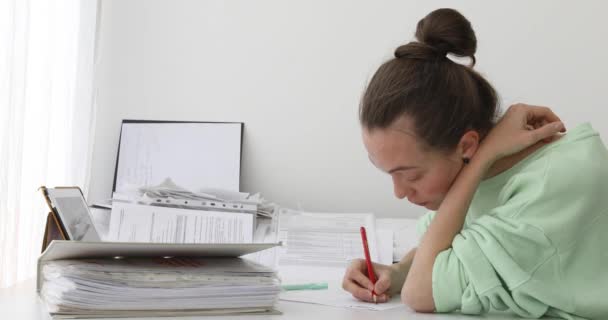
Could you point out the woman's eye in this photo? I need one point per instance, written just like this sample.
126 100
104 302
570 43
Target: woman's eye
414 178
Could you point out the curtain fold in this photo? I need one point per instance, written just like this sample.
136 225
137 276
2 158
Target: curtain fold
46 117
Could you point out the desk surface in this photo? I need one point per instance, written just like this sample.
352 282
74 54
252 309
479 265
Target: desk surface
22 302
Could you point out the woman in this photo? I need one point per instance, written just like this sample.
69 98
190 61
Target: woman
519 216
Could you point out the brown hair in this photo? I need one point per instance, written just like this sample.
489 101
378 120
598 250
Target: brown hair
444 98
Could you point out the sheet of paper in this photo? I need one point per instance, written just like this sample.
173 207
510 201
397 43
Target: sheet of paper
142 223
385 245
318 247
324 239
265 232
193 155
337 298
101 220
405 237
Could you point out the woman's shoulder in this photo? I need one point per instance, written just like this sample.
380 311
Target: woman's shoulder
579 155
569 191
575 164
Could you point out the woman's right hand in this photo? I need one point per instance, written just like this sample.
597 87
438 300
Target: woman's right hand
390 279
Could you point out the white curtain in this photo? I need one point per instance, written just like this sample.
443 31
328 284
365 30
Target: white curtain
46 117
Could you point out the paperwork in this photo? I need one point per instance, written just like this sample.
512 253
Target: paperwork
336 297
110 287
405 236
265 232
318 247
385 245
324 239
168 194
142 223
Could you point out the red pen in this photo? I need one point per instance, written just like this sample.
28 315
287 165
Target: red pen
370 267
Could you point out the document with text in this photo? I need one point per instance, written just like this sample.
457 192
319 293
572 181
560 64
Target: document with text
324 239
131 222
337 297
318 247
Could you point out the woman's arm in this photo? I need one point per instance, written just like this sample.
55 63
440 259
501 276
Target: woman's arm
517 130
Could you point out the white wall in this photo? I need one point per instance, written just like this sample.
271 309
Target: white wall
293 72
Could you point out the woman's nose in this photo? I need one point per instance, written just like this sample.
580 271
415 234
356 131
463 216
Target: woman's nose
401 191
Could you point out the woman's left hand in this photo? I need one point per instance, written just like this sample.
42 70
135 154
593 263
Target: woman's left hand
521 127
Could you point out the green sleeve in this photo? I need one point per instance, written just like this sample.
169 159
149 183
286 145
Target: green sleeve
486 267
539 249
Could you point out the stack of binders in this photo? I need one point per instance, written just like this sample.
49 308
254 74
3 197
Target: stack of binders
79 279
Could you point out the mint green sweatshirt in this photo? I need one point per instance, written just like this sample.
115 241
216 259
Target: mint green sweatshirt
535 239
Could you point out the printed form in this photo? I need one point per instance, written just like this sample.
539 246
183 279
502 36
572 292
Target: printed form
143 223
324 239
318 247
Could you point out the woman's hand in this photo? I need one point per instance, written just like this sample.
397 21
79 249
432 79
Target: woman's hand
521 127
390 280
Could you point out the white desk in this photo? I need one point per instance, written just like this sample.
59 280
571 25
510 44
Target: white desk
22 302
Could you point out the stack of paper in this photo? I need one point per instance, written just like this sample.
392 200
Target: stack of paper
168 194
168 213
143 223
405 235
157 286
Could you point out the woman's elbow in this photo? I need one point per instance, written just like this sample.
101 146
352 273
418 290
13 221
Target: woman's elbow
417 298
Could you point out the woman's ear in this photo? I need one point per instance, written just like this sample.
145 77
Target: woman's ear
468 144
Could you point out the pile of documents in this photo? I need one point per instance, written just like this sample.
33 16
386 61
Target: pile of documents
168 213
157 287
168 194
131 222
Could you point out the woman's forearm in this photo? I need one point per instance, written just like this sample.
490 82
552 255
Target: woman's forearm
449 219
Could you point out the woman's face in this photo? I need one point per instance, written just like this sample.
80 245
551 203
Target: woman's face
421 175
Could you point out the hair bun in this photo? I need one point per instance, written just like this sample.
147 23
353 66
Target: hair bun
448 31
418 50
